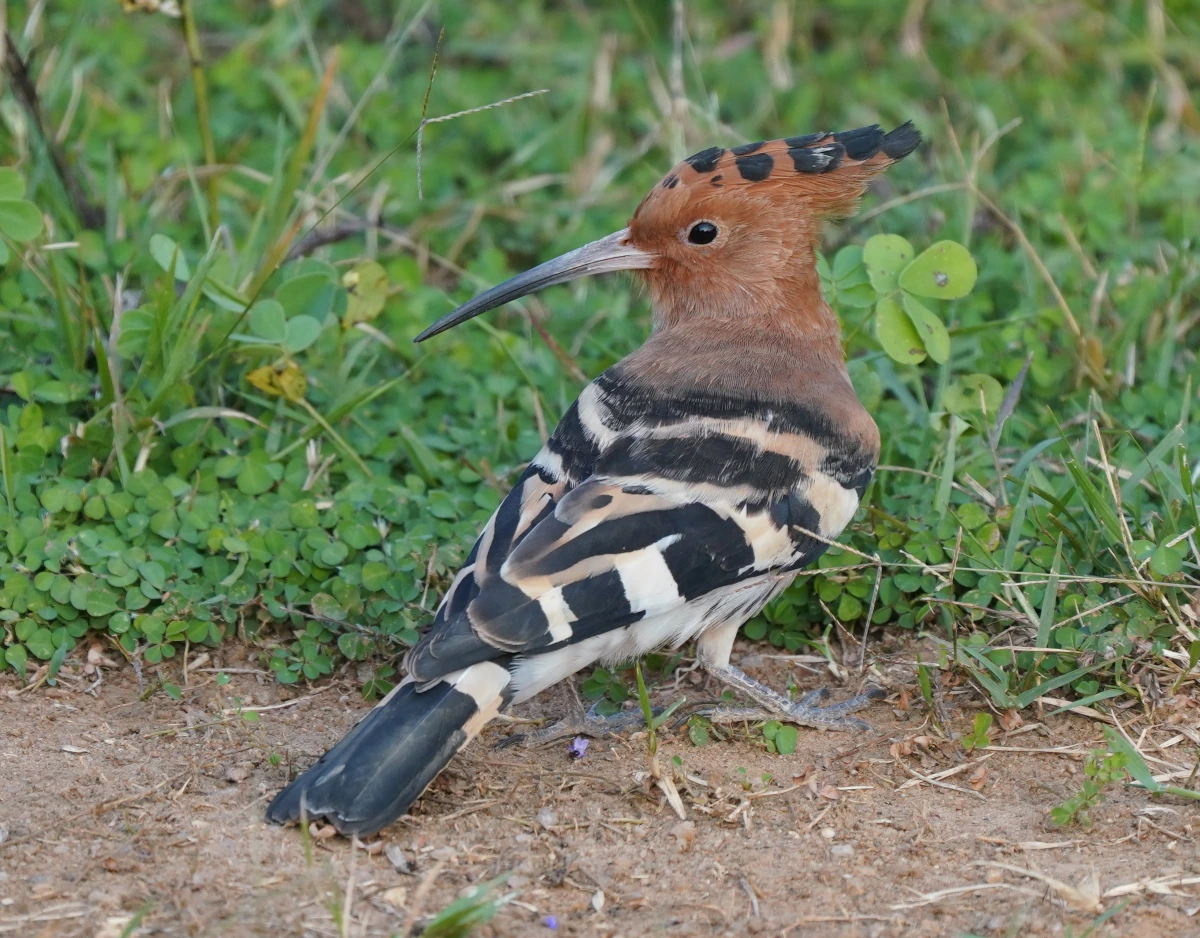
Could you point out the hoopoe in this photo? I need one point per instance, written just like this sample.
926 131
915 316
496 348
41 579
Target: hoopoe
683 490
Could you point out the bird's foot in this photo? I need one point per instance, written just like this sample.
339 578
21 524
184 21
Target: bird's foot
804 712
774 706
592 723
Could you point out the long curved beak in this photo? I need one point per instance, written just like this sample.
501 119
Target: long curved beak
608 254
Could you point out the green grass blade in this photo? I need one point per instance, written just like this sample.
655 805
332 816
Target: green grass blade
4 472
1029 696
1021 467
1152 461
647 710
1088 701
1134 762
1017 523
1049 599
941 501
1095 502
466 913
980 656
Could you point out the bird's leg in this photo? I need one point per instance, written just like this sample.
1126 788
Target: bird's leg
774 706
592 724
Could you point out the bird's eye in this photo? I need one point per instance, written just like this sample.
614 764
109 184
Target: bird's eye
702 233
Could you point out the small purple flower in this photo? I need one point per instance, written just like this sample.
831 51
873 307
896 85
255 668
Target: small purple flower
577 749
551 922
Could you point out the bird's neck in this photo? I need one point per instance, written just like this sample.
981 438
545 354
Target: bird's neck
807 332
746 357
801 315
785 307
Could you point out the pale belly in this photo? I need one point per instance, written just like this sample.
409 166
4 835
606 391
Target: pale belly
730 606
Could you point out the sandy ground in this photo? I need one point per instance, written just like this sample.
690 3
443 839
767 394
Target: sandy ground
112 807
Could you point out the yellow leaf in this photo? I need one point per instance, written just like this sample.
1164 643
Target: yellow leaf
292 382
1093 356
264 379
288 381
367 284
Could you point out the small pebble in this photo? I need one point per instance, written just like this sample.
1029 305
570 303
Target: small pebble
828 833
396 857
546 818
396 897
685 835
842 850
237 773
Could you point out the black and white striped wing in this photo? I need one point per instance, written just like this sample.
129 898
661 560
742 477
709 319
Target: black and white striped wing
623 518
605 557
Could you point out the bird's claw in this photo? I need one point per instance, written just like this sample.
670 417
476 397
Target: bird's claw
804 712
591 724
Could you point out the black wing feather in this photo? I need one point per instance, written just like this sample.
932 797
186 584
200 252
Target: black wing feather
628 477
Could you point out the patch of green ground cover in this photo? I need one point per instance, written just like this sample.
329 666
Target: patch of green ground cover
211 424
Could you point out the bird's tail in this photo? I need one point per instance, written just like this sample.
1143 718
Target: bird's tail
382 765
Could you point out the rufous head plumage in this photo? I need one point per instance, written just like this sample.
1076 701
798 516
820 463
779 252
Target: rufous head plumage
729 233
734 232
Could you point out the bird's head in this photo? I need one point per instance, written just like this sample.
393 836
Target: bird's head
727 234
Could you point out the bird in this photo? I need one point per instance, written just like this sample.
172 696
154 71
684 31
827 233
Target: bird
683 490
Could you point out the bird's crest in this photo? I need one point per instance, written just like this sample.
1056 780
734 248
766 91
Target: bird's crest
827 170
729 233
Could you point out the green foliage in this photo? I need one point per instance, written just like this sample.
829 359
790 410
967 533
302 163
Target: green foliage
465 914
20 220
1119 745
978 736
653 721
780 737
609 687
1100 770
210 427
647 710
925 683
1119 762
606 688
905 327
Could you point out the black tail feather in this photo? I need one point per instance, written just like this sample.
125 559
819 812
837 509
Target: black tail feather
381 767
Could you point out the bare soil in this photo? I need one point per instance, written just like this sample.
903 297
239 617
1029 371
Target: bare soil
113 807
